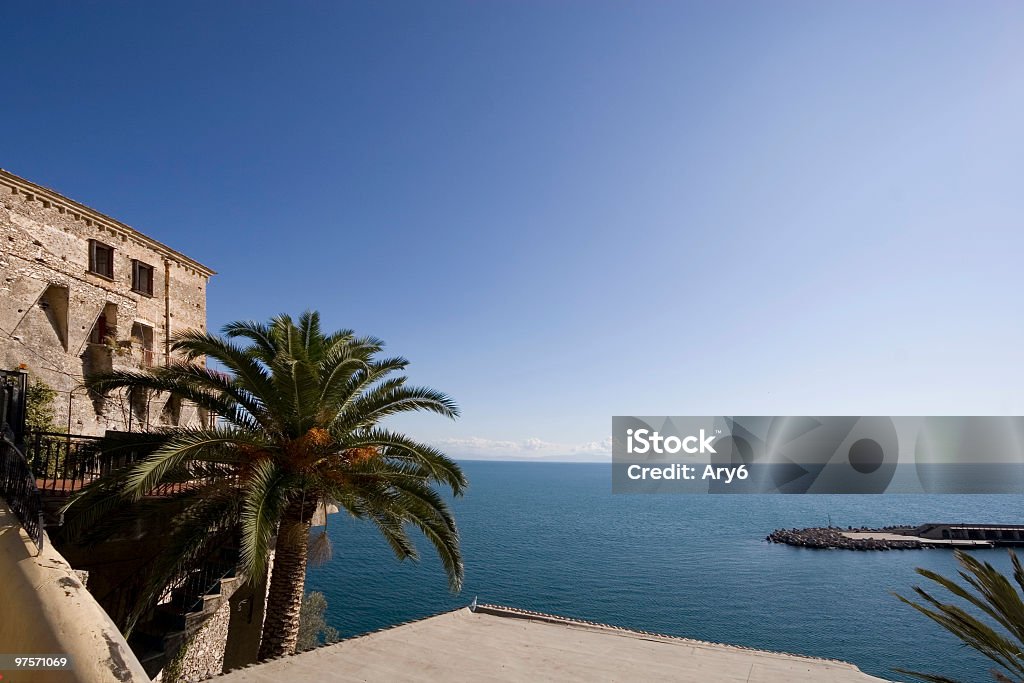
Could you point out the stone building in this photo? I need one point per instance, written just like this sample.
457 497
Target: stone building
81 292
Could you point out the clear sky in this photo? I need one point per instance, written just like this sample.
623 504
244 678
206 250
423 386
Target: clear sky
561 211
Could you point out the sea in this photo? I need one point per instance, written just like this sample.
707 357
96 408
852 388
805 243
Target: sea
552 537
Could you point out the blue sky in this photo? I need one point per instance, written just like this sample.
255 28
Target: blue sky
562 211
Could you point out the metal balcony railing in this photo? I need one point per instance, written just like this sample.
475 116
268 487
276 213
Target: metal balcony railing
218 559
64 464
18 486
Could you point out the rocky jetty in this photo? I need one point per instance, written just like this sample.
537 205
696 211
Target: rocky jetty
832 537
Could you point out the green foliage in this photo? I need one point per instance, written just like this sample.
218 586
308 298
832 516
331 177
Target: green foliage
999 635
313 629
299 426
39 407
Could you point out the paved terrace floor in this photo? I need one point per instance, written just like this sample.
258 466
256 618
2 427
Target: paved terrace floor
503 644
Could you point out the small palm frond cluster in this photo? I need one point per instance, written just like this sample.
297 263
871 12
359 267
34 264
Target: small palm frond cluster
1002 638
298 427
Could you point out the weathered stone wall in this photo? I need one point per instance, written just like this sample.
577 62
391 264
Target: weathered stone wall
50 304
203 655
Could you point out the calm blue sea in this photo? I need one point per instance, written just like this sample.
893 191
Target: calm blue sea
553 538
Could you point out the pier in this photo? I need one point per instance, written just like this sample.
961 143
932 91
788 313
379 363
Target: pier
935 535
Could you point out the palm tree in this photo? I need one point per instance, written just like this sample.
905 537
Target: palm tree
1001 637
298 427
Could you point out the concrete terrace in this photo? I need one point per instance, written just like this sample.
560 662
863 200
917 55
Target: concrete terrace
504 644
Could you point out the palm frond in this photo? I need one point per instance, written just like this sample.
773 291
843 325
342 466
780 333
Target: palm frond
382 402
261 336
212 443
265 496
320 549
435 464
247 372
362 381
426 510
166 380
990 592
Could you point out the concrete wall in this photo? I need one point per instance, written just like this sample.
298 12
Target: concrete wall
48 611
50 304
248 608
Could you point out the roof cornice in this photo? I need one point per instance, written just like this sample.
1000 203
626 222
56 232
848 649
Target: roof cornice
91 216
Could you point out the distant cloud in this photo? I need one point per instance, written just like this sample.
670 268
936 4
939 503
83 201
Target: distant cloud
525 449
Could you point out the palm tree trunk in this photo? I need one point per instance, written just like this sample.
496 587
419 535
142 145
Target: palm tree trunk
287 582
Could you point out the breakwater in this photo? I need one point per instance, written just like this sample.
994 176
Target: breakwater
850 538
934 535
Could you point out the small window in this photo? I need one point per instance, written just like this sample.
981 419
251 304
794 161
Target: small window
142 278
142 338
106 325
101 259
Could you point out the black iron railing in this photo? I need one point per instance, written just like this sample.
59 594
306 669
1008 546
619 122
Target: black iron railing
18 485
64 463
13 402
219 560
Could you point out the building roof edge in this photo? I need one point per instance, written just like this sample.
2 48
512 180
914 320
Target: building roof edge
20 184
